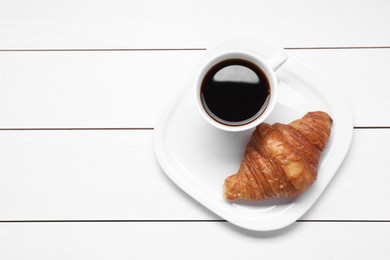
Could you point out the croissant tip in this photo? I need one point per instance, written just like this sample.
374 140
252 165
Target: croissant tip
322 114
228 187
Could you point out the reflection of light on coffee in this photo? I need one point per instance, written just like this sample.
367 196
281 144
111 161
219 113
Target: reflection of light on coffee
236 73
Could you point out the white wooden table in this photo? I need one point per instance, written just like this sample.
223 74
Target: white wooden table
82 83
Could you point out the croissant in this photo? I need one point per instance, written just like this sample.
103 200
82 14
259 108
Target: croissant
280 160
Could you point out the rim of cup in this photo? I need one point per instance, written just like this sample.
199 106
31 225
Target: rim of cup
261 63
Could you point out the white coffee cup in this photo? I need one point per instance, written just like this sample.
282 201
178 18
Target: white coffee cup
231 50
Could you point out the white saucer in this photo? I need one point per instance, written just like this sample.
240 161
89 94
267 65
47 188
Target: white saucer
198 157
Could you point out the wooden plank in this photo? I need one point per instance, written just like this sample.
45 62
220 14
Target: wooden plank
87 89
100 24
362 75
192 241
129 89
113 175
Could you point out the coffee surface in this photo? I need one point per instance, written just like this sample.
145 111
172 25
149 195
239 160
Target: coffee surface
235 91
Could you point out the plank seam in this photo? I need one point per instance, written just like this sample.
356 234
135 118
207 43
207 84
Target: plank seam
100 50
184 49
130 128
184 220
337 48
78 129
371 127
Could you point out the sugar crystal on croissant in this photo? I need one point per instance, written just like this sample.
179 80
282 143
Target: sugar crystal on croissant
280 160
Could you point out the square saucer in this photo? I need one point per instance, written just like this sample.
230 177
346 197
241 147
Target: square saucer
198 157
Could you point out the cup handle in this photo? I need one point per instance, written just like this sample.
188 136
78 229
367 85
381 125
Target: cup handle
277 60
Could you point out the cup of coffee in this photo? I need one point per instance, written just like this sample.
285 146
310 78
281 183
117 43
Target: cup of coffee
235 88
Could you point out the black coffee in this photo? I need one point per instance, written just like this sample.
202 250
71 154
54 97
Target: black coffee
235 92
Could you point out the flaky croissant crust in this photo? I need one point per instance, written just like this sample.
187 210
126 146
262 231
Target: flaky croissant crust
280 160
